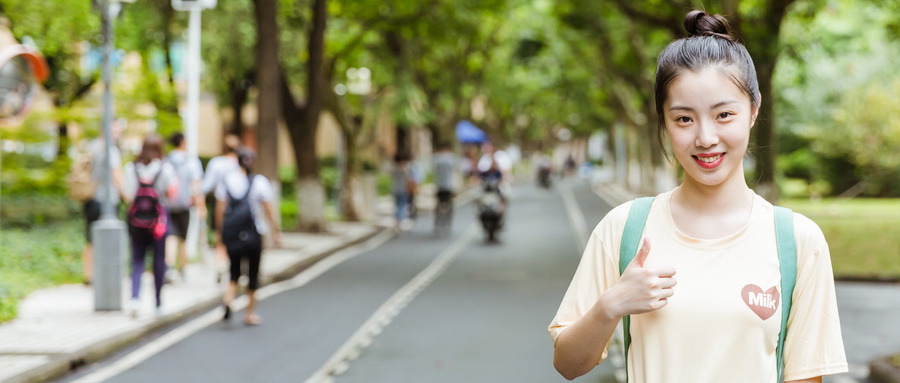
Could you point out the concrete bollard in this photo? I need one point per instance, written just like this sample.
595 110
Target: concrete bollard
109 240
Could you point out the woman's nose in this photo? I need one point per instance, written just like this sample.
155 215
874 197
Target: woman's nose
706 135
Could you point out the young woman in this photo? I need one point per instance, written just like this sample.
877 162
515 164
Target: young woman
149 169
712 233
256 189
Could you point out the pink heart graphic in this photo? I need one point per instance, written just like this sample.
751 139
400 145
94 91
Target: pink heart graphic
762 303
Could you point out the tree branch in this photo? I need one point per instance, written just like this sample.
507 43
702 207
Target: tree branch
671 24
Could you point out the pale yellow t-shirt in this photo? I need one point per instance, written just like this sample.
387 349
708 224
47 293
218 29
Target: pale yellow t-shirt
722 323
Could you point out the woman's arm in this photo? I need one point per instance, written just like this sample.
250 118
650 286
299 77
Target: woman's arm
817 379
220 216
639 290
276 230
580 346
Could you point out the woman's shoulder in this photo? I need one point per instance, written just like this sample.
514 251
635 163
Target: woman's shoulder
807 233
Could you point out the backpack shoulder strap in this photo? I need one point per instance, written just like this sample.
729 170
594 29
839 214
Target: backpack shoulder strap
250 178
787 260
631 240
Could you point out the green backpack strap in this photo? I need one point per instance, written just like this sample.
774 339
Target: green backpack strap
628 248
787 260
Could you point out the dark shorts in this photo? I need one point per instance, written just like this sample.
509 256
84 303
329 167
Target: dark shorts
92 212
444 195
178 223
252 257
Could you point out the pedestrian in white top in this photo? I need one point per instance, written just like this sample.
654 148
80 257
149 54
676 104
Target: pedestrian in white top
190 173
237 190
216 169
148 169
704 303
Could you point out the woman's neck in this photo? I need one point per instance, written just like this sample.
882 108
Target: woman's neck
733 194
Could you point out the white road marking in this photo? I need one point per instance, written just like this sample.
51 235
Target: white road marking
575 215
616 353
339 363
171 338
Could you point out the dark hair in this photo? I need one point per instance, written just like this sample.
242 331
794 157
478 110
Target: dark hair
152 149
709 43
231 143
246 158
176 139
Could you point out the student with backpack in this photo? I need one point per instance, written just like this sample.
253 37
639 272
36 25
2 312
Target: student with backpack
242 200
733 288
217 168
85 185
149 183
190 174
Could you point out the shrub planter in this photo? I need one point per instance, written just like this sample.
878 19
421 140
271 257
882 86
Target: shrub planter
882 370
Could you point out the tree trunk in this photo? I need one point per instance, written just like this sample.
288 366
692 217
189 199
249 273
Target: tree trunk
765 138
268 83
239 95
168 12
303 124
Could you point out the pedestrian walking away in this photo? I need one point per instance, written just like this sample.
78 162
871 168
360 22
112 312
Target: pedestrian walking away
444 168
402 185
85 185
190 174
754 299
216 170
242 201
149 183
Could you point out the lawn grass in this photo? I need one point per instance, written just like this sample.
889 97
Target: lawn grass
30 259
863 234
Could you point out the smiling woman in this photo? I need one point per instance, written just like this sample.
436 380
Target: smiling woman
736 257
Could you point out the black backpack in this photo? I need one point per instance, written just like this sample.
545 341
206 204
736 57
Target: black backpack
239 233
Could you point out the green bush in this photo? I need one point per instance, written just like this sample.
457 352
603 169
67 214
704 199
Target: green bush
29 210
45 255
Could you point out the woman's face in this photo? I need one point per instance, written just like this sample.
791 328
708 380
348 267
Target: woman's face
708 119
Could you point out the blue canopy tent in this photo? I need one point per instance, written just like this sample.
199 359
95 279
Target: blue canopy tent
468 133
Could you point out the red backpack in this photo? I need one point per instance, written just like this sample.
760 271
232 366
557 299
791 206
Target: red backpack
146 215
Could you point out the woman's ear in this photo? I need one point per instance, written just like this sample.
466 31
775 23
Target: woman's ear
755 112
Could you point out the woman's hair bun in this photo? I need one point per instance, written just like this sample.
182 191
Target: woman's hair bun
699 23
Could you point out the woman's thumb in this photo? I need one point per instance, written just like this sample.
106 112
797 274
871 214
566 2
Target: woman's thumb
641 256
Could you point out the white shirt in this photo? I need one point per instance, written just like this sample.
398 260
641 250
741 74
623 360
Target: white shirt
504 162
236 183
166 185
216 169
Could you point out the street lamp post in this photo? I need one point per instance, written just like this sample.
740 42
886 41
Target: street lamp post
108 232
192 115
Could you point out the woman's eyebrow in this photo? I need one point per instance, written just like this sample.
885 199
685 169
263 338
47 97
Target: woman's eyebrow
716 105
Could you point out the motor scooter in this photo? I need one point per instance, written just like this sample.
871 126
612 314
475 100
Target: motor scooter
544 173
490 207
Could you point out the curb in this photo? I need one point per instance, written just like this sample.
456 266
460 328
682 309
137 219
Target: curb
61 364
881 370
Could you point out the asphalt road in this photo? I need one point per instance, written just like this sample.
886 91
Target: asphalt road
416 309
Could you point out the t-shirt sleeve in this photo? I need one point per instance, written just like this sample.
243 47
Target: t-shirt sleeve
263 188
221 190
597 271
813 345
210 179
129 180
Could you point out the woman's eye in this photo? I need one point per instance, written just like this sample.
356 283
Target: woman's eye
683 119
725 114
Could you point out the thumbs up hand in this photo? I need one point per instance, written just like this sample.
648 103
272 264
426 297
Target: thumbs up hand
640 289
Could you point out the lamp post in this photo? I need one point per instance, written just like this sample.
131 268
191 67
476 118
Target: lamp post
108 232
192 115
